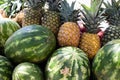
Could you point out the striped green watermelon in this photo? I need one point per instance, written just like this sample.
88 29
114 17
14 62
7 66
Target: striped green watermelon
5 68
7 28
27 71
32 43
106 64
68 63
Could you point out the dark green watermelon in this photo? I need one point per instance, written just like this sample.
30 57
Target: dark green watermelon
27 71
7 28
5 68
68 63
32 43
106 64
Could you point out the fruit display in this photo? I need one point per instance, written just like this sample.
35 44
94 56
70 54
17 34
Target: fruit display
68 63
106 64
59 40
27 71
32 43
7 28
90 41
69 32
5 68
51 16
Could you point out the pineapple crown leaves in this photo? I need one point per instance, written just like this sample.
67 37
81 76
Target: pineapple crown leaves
53 4
93 15
112 11
16 7
12 7
67 11
2 2
35 4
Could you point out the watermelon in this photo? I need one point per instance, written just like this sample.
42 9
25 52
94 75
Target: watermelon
7 28
33 43
27 71
106 64
68 63
6 68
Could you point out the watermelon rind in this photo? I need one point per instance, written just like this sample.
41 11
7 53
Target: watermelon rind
33 43
6 68
68 63
27 71
106 64
7 28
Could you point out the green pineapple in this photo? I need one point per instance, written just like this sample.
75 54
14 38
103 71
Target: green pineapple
113 17
33 14
51 17
90 41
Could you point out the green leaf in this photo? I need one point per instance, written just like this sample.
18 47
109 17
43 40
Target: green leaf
87 10
107 5
66 10
2 2
95 7
72 5
3 6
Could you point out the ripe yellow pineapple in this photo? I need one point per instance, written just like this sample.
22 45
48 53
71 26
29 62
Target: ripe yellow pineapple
32 14
51 17
90 41
69 32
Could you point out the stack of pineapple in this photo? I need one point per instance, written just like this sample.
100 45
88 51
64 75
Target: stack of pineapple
35 14
69 33
93 16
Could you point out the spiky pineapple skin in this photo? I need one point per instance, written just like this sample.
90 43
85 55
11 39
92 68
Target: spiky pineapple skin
90 44
69 34
111 33
51 20
31 16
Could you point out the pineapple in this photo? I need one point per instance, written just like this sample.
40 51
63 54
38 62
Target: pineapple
33 14
69 32
113 17
90 41
51 17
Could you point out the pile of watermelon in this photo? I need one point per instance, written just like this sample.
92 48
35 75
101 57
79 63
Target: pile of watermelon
23 49
32 53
